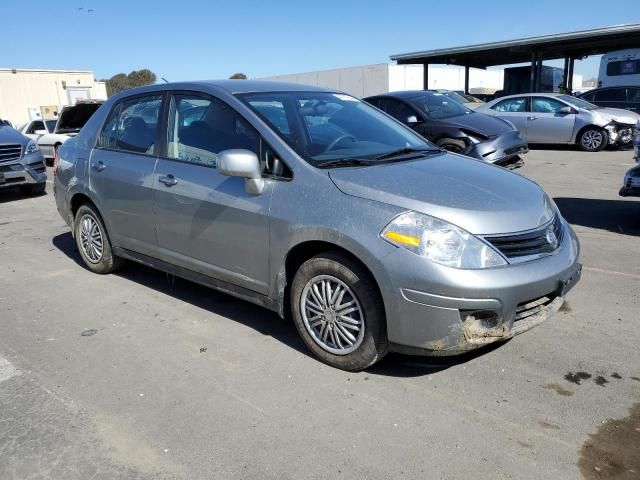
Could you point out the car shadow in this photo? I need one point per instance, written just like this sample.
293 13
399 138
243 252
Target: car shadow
618 216
260 319
14 194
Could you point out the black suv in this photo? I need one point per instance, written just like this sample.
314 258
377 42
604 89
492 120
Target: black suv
627 98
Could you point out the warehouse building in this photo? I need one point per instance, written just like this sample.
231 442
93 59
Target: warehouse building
27 94
366 80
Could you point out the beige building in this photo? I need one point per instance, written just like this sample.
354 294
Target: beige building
27 94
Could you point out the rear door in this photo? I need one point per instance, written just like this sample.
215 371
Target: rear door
121 171
207 222
515 110
633 99
546 124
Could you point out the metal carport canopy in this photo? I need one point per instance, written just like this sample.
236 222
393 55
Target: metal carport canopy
563 45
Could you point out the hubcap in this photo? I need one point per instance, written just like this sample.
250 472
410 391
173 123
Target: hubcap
332 315
592 139
91 238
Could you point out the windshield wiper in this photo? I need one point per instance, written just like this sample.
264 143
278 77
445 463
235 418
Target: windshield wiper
346 162
405 151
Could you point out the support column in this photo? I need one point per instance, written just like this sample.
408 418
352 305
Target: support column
466 80
570 76
425 76
565 74
532 74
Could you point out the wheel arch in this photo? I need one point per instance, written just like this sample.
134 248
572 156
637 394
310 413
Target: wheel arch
579 133
303 251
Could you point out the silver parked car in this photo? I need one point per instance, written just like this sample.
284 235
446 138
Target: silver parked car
21 162
310 201
563 119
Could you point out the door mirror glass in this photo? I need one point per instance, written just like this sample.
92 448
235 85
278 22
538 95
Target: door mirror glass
412 120
40 132
566 110
242 163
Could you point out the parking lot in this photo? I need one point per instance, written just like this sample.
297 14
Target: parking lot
140 375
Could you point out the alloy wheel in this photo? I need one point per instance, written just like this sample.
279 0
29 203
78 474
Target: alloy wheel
332 314
91 239
592 139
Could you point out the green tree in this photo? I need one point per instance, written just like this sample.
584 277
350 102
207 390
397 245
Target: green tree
238 76
122 81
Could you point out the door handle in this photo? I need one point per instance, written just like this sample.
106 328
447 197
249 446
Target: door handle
168 180
99 165
531 118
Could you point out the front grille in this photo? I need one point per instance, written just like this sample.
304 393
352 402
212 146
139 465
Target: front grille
10 153
532 243
527 309
515 150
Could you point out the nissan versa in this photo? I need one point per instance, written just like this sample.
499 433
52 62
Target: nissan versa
311 202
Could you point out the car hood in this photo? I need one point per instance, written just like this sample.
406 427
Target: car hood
11 135
481 198
618 114
481 123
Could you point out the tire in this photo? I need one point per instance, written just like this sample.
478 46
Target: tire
98 260
592 139
34 189
452 145
353 287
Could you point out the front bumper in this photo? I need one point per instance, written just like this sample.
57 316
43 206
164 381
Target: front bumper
29 170
503 150
450 311
631 184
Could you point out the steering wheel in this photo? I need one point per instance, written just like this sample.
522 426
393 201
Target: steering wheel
333 144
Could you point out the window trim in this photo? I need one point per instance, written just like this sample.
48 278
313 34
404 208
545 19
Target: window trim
118 104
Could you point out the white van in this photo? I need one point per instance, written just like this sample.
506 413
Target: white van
620 68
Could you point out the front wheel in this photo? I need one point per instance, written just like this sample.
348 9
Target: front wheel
338 312
593 139
452 145
93 242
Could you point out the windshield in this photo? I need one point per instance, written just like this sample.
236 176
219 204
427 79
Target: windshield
455 96
322 126
439 105
578 102
51 124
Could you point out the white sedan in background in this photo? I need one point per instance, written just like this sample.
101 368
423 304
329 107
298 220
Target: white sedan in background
70 120
37 128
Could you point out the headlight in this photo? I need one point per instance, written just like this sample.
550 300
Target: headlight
440 242
31 147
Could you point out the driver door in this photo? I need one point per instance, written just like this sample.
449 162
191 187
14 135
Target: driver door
546 124
207 222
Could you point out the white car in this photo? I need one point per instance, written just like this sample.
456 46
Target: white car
70 120
37 128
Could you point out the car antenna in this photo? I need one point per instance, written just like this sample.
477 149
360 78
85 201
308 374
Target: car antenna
165 80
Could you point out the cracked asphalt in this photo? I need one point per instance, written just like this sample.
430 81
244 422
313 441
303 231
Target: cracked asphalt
181 382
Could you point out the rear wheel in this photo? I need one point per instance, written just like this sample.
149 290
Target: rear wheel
338 312
93 242
452 145
33 189
593 139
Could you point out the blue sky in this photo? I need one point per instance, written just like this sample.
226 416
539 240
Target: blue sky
191 39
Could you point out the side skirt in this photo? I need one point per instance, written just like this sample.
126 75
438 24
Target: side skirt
216 284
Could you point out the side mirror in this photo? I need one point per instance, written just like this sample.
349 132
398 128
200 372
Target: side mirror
566 110
412 120
242 163
40 132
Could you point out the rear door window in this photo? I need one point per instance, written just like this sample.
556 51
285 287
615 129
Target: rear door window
399 110
132 126
37 125
611 95
511 105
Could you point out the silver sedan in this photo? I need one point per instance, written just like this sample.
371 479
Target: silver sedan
563 119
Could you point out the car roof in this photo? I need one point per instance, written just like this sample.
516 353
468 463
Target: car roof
230 86
407 93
